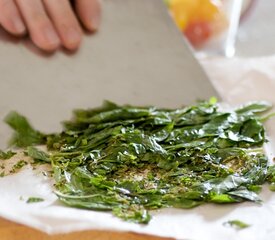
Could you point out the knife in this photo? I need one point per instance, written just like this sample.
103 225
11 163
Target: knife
137 57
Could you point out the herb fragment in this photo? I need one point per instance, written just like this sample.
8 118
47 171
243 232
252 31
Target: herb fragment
271 177
34 200
38 155
237 224
272 187
6 155
20 164
24 134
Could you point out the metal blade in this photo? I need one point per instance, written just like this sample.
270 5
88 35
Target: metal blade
137 57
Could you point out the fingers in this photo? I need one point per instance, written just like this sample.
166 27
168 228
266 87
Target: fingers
50 23
65 22
89 13
41 29
10 18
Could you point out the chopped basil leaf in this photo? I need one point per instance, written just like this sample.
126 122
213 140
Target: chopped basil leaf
237 224
34 199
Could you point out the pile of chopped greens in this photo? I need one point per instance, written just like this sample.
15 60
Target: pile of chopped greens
129 160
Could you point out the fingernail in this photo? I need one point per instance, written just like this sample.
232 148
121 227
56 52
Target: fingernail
73 37
96 17
51 36
95 21
18 25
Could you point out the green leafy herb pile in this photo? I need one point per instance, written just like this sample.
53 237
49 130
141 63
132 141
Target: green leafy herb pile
129 160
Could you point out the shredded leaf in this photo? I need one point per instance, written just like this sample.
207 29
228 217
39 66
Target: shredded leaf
24 134
237 224
38 155
34 200
17 166
6 155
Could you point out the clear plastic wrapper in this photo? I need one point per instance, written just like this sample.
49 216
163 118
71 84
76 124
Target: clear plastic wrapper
210 25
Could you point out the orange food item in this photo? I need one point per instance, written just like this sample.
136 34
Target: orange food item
198 19
198 32
206 11
182 11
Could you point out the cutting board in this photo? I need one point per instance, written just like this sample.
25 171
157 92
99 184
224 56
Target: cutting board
14 231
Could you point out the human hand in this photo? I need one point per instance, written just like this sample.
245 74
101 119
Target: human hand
50 23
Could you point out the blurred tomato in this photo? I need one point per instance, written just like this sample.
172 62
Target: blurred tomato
198 32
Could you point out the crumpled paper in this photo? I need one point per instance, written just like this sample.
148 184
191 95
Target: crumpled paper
242 79
238 81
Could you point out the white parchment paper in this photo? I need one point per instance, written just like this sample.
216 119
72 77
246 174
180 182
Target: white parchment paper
238 80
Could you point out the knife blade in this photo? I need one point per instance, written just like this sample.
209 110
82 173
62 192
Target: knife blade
137 57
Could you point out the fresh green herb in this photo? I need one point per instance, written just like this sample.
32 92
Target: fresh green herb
272 187
34 199
237 224
24 135
2 174
271 177
129 160
6 155
20 164
38 155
